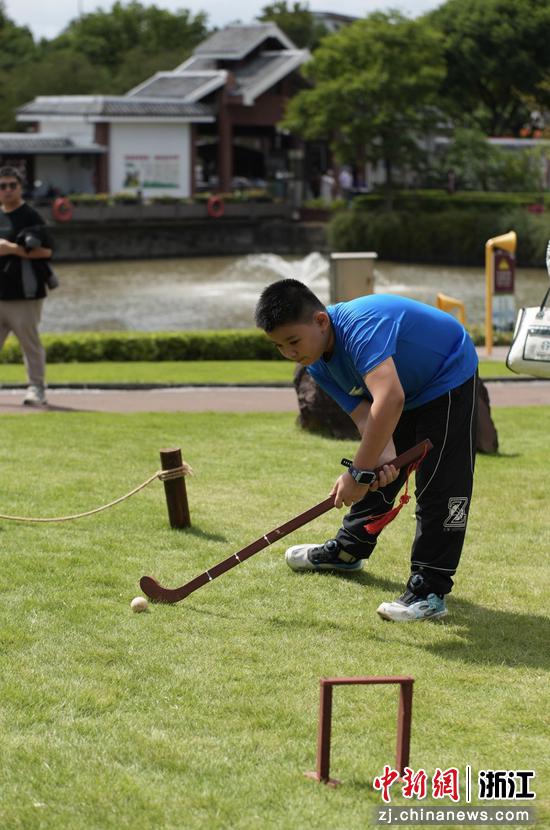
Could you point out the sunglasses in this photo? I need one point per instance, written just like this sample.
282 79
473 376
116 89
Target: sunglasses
10 185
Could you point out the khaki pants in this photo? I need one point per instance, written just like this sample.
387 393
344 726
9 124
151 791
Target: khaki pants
22 317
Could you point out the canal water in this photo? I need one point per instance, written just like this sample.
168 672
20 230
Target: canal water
221 292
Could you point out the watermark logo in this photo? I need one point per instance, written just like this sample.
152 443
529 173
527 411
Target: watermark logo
445 784
500 784
491 785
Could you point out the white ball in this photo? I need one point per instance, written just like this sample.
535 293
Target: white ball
139 604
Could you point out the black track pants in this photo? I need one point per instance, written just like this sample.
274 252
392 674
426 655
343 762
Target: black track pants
443 487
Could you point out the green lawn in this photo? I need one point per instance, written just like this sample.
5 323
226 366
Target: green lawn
204 714
209 371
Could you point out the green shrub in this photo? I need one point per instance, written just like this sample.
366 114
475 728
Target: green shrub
90 347
500 338
236 196
434 201
323 204
452 237
90 199
127 198
167 200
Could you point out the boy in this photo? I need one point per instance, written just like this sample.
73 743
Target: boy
23 277
404 371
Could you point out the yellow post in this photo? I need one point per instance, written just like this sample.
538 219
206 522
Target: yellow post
507 242
446 303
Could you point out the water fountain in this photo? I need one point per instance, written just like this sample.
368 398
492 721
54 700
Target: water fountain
221 292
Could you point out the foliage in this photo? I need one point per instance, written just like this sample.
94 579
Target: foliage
451 236
256 194
106 38
533 233
375 89
90 199
238 346
438 200
496 54
296 21
129 197
323 204
204 714
85 347
60 72
17 51
478 165
102 52
16 43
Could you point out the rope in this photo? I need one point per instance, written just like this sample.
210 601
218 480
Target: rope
162 475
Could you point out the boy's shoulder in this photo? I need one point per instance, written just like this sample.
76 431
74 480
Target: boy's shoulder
376 305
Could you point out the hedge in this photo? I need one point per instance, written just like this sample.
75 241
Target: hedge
451 237
434 201
89 347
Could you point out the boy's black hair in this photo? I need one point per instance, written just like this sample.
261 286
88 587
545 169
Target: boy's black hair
9 172
284 302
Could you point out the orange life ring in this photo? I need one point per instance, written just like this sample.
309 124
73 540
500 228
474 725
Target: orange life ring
215 207
62 210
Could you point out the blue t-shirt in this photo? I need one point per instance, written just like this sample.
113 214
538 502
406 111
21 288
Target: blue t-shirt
431 350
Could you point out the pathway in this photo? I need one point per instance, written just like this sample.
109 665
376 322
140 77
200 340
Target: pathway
226 399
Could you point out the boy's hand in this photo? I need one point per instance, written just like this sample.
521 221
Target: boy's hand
347 491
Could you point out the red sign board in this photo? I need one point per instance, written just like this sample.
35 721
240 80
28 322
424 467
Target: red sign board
504 268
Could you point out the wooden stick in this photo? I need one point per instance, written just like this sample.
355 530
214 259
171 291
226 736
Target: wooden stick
155 591
175 490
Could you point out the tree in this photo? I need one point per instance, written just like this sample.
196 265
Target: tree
17 50
64 72
374 91
106 37
497 54
296 21
16 42
139 64
479 165
98 53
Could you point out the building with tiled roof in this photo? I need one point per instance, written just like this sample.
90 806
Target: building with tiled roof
210 123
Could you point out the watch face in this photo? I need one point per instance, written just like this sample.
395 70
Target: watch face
363 476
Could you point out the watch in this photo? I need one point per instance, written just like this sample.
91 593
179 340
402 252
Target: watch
359 476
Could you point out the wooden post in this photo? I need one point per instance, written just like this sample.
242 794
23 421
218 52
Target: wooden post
175 490
404 720
323 738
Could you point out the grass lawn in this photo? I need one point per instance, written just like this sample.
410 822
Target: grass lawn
204 714
188 372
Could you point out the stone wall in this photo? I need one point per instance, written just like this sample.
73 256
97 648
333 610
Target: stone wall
109 234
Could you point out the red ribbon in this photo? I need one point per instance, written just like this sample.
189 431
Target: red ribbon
378 523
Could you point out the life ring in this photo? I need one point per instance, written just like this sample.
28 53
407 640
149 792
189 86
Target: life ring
215 207
62 210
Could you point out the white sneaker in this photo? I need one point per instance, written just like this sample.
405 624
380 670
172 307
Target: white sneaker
36 396
327 557
410 607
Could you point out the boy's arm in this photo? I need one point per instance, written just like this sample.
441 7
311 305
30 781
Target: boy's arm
388 399
360 416
376 428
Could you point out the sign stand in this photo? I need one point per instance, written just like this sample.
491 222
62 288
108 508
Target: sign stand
500 265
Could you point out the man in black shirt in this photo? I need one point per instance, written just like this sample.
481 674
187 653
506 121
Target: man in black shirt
24 272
